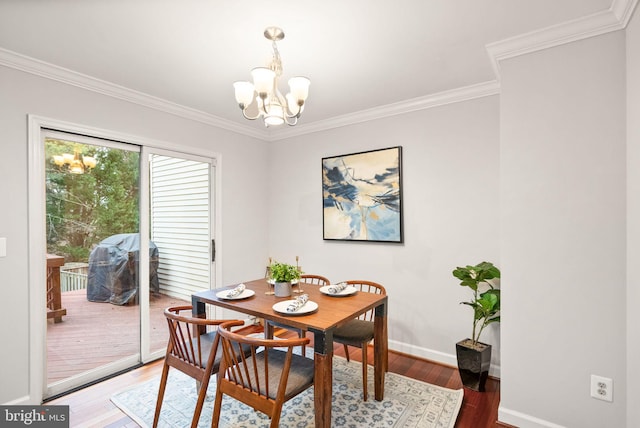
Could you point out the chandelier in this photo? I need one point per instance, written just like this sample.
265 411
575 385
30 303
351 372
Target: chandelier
274 108
76 163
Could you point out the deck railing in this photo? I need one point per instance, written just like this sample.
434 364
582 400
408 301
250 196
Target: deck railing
73 276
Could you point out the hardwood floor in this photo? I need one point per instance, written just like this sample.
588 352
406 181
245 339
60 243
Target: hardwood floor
91 406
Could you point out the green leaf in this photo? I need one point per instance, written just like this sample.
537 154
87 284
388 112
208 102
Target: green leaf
471 283
282 272
486 305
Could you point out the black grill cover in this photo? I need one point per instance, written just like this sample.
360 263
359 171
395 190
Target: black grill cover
113 270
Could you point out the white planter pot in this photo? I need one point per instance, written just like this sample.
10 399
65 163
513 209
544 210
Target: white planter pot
282 289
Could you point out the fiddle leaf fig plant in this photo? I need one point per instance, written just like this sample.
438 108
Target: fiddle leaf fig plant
282 272
485 304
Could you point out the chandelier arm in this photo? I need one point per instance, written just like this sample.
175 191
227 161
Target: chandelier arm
295 119
291 116
244 113
264 106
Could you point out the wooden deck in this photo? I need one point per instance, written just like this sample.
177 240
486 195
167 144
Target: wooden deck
93 334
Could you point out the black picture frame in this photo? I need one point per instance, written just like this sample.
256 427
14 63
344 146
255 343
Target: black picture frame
362 196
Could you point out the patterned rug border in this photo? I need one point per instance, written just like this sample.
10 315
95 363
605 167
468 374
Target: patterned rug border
415 403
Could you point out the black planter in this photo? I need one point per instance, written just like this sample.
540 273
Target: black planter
473 364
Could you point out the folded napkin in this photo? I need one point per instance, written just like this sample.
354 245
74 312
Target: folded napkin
297 303
236 291
336 288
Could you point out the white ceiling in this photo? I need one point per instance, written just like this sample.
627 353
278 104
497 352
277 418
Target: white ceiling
359 54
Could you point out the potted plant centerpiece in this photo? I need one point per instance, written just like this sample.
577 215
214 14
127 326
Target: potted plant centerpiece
282 274
474 357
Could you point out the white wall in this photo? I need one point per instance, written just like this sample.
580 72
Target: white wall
633 220
563 233
450 202
241 160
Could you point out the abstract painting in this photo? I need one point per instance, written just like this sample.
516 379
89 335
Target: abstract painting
362 196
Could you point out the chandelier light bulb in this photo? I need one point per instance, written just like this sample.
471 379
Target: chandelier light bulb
75 163
275 116
244 93
299 88
89 161
263 80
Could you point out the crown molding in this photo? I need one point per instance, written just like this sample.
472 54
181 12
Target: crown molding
614 19
60 74
50 71
420 103
623 10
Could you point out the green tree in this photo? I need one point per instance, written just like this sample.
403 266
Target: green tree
83 209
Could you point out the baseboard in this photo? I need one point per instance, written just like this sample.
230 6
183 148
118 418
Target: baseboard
522 420
500 424
432 355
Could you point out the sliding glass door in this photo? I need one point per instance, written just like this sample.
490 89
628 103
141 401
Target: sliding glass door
181 228
129 233
93 247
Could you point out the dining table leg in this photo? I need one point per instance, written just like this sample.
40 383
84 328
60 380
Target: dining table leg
380 350
198 310
268 330
323 377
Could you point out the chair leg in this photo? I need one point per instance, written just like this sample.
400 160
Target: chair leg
346 351
163 385
202 394
364 370
275 416
217 406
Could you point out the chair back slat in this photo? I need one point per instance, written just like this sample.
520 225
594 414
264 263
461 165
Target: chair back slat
190 352
185 343
259 377
367 287
314 280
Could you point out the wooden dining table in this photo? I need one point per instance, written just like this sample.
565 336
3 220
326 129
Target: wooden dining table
332 312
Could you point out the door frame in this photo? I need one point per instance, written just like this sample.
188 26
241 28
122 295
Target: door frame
36 231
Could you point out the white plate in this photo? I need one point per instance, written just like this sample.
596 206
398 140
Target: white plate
281 307
246 293
347 291
293 281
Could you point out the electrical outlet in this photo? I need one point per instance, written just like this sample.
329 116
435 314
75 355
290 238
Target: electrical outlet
602 388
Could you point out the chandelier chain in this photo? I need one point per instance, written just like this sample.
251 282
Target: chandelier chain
276 63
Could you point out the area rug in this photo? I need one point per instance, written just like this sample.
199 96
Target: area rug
407 403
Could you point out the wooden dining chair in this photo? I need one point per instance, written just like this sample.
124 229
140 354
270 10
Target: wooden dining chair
359 332
266 378
306 279
196 355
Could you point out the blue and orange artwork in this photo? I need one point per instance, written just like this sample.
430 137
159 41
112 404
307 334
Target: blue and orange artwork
362 196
